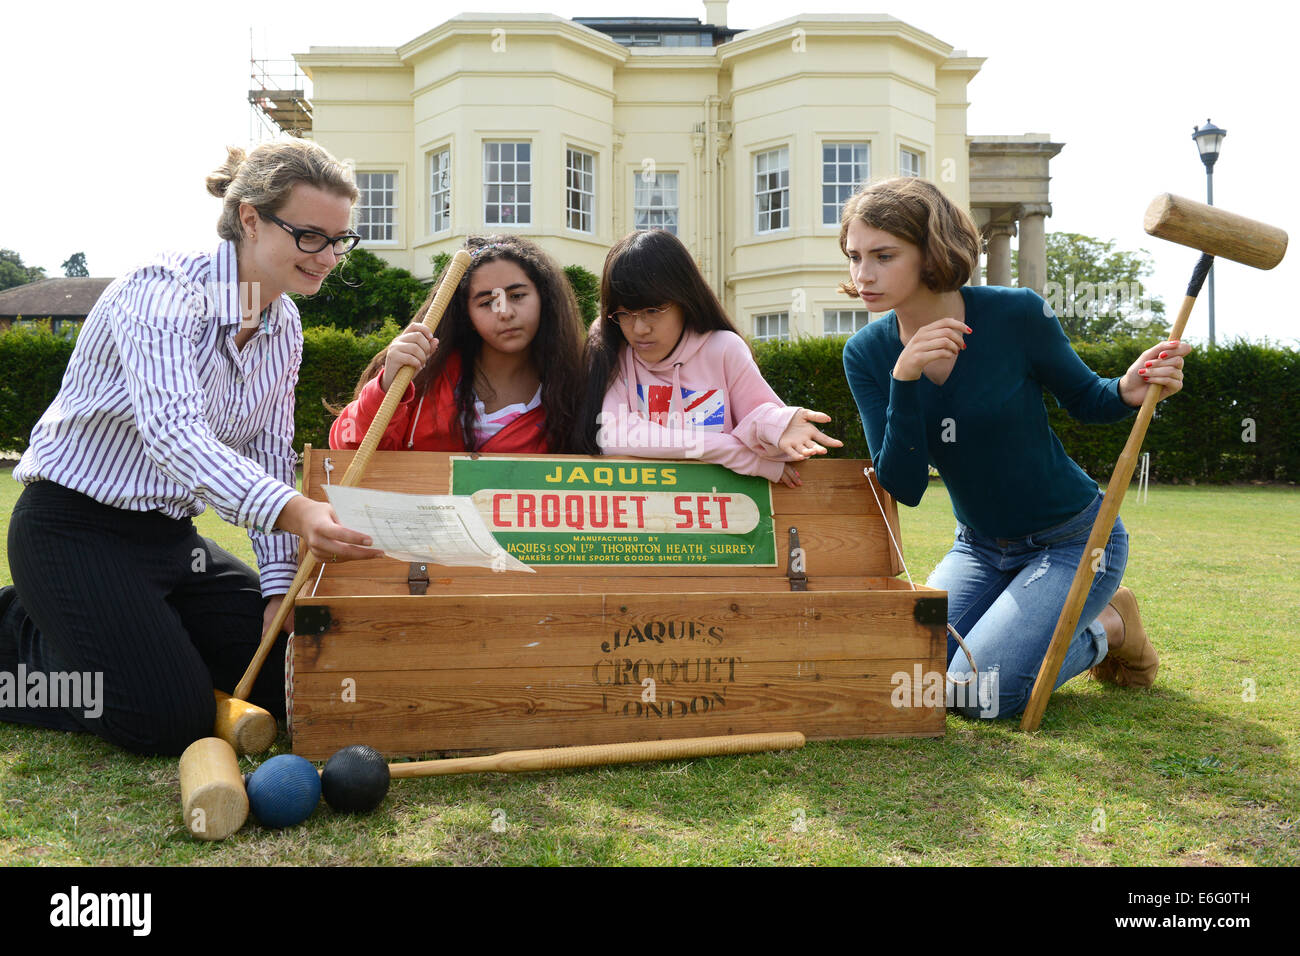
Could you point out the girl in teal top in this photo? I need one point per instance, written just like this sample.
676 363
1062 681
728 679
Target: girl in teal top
953 377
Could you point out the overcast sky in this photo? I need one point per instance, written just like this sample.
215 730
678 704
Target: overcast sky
115 112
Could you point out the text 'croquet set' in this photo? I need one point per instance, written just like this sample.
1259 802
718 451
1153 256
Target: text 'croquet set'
671 599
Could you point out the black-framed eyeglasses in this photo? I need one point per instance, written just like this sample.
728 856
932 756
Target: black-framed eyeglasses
309 240
651 315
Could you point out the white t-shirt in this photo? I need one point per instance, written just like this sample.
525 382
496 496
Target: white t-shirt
485 425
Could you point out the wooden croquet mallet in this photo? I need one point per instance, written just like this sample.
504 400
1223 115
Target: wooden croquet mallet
246 727
1216 233
215 803
595 755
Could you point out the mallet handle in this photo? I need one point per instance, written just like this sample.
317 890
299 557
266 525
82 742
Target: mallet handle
446 289
1068 622
557 758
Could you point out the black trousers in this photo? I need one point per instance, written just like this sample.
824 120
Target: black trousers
163 614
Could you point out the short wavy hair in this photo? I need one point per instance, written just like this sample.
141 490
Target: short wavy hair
918 211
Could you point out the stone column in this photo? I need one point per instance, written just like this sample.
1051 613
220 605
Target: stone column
1033 245
701 251
617 227
980 216
722 237
998 271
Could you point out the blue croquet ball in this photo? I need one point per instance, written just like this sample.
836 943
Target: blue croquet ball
283 791
355 780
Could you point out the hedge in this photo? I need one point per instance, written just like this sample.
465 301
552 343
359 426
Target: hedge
809 372
32 361
1237 423
332 361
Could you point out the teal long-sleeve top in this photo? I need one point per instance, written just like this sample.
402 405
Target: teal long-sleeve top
985 429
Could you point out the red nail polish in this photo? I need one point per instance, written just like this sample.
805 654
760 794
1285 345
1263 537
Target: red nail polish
1142 371
968 328
1164 354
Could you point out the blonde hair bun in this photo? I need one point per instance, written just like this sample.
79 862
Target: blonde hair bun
219 179
265 177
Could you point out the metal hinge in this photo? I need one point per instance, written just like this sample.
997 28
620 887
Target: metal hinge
311 619
931 611
417 578
796 564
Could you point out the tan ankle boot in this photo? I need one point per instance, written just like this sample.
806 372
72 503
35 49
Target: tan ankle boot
1135 662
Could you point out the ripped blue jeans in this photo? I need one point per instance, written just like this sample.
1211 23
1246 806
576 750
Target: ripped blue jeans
1004 597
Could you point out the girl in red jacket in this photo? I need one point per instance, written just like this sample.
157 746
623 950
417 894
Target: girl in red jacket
502 371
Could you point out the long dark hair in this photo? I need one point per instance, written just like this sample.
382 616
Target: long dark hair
556 349
643 269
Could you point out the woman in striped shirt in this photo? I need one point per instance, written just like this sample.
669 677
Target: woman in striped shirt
179 394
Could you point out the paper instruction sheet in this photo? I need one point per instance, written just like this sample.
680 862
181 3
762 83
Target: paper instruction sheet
439 529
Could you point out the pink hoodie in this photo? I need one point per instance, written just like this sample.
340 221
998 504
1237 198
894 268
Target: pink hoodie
707 400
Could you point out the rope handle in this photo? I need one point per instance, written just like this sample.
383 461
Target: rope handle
870 474
328 467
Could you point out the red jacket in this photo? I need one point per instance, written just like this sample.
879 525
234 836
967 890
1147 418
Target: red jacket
431 422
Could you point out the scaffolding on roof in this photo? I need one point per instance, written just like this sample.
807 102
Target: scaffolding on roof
278 99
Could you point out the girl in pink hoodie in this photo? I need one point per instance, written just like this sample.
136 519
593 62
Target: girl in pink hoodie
668 375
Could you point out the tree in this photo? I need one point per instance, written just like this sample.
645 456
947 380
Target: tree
1097 291
13 272
586 286
74 267
361 293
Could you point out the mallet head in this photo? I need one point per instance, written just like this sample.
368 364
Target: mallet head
1220 233
213 800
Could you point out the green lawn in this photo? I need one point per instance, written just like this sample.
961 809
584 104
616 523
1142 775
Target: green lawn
1189 772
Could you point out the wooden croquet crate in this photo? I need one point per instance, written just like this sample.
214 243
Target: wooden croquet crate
473 659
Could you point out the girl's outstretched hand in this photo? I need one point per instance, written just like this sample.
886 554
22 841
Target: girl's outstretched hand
414 347
801 437
1159 365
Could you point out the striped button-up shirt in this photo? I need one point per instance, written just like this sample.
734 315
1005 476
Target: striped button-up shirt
159 411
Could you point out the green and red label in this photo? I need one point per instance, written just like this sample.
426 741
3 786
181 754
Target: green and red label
620 511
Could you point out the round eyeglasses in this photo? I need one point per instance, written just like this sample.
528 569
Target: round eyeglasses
309 240
651 315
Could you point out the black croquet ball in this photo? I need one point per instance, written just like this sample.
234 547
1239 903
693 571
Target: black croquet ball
355 780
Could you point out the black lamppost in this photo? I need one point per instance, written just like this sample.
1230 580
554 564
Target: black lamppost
1208 139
